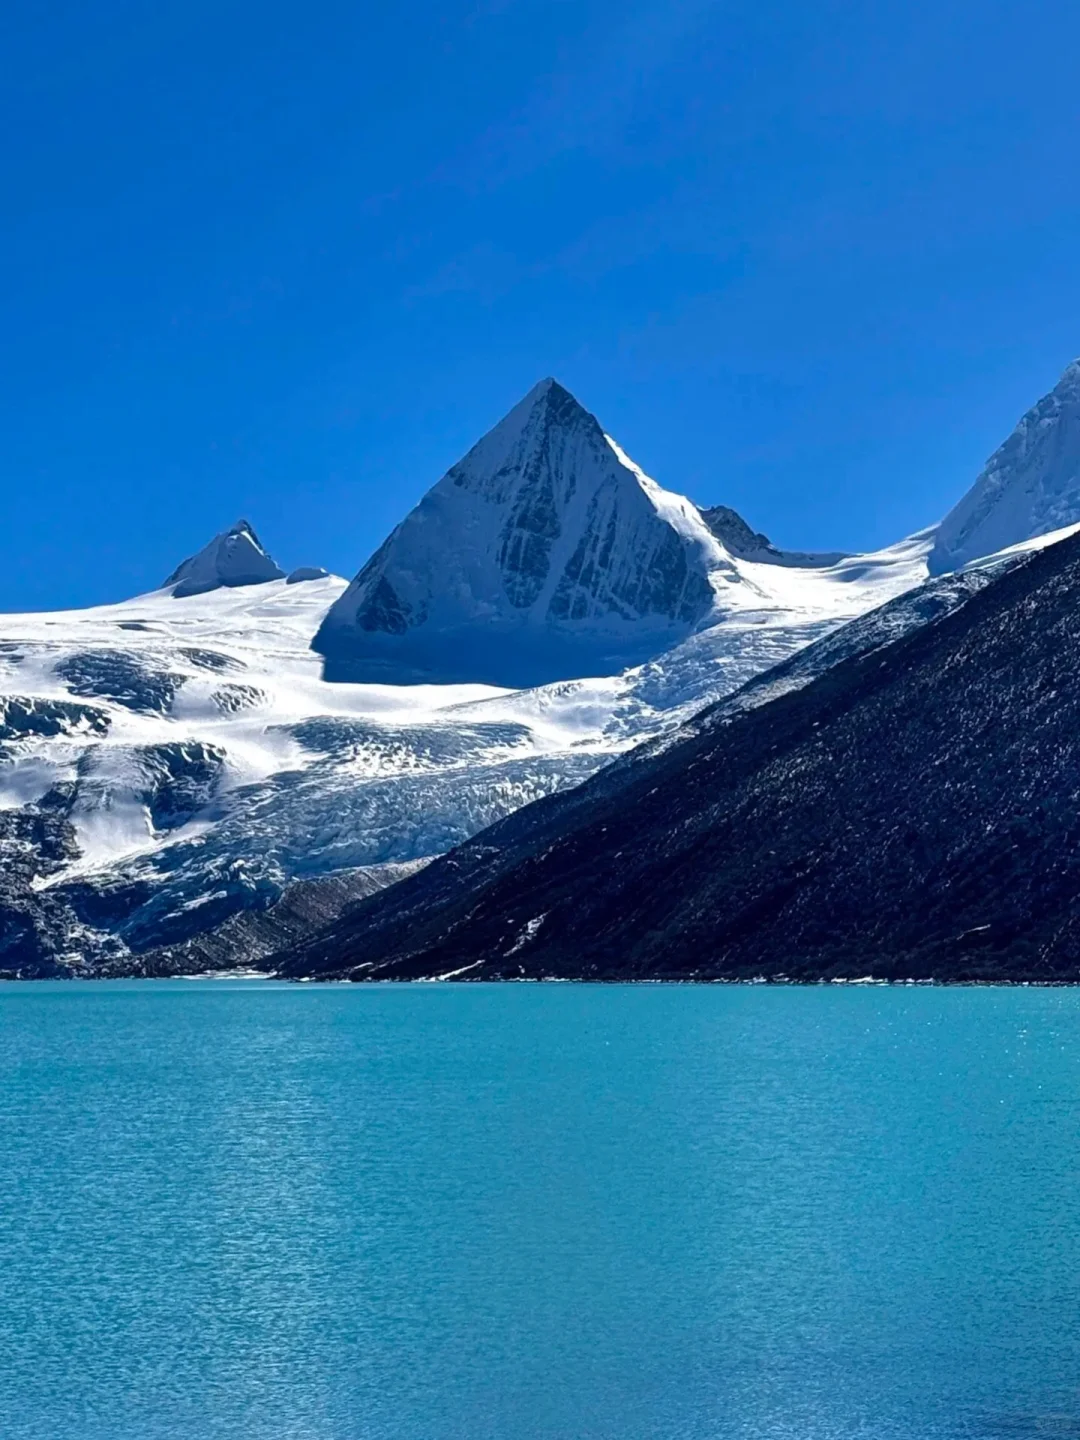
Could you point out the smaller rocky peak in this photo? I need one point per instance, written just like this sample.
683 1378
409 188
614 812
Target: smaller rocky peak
738 539
306 572
235 557
735 534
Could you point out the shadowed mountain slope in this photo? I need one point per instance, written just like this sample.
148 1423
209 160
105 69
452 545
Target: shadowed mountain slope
913 812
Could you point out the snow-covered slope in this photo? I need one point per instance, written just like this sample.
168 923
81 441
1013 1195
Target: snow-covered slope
182 759
170 761
545 553
1030 486
790 610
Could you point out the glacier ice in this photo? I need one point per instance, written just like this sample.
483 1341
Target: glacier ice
164 765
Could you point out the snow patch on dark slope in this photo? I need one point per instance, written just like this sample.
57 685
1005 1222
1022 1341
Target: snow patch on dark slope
1030 486
910 813
544 554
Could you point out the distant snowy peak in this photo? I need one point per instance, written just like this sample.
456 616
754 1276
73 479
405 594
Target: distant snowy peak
235 557
544 554
1030 486
740 540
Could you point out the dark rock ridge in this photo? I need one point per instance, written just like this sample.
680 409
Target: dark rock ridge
740 540
176 779
543 554
172 780
235 557
911 813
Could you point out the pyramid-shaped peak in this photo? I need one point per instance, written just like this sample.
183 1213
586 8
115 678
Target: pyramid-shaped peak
548 386
235 557
550 390
537 434
544 553
1030 486
547 404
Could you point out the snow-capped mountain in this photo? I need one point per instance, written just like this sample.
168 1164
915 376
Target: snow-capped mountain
1030 486
542 555
171 761
183 759
176 762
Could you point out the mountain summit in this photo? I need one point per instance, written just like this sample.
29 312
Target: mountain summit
1030 486
542 555
235 557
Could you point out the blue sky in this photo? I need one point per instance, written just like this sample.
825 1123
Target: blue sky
288 261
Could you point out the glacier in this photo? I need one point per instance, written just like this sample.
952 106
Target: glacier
176 761
189 760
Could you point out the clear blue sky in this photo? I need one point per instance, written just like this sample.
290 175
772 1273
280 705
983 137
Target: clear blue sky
288 260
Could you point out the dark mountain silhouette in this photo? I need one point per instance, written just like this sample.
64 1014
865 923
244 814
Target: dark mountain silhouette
911 813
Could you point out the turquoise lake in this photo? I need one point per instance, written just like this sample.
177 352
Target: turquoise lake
246 1209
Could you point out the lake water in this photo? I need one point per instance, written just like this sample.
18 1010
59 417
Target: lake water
437 1213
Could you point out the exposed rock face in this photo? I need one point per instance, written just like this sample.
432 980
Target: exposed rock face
247 937
306 572
734 533
1030 486
37 931
909 813
543 554
118 675
235 557
22 716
